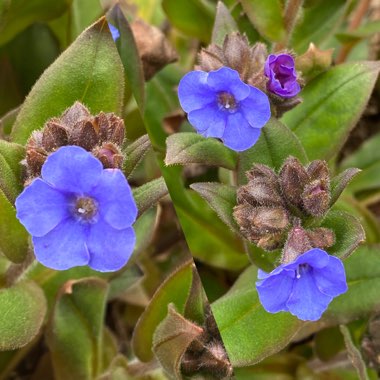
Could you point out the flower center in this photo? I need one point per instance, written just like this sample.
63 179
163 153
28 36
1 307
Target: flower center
227 101
85 208
301 270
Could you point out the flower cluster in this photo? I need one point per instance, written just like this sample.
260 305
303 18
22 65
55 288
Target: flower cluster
304 287
79 213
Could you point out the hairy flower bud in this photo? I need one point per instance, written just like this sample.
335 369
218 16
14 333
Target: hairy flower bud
103 135
316 198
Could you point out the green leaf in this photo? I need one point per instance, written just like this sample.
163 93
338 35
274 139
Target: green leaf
10 169
360 33
267 18
348 231
354 354
249 333
22 312
318 24
129 277
134 153
89 71
223 25
339 183
129 54
76 329
192 17
147 195
221 198
82 14
332 104
368 179
175 290
13 236
16 15
276 143
190 148
7 121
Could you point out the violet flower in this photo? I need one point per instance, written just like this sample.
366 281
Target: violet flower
219 104
304 287
114 31
280 69
79 213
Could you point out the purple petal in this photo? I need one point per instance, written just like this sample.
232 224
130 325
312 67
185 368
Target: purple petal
316 258
274 292
72 169
331 280
306 301
64 247
194 92
114 196
228 80
40 207
114 31
238 134
209 121
110 249
256 108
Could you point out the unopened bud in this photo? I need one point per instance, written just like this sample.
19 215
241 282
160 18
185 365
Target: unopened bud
54 136
109 155
321 237
316 198
298 242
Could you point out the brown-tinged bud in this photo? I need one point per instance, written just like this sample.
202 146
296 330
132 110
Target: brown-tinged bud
103 135
293 178
271 242
262 172
153 47
314 61
321 237
259 194
316 198
109 155
298 242
318 169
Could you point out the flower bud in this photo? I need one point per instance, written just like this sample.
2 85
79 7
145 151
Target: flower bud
321 237
298 242
54 136
109 155
316 198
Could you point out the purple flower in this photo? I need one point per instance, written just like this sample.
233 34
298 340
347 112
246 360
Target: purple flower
304 287
114 31
282 75
79 213
220 105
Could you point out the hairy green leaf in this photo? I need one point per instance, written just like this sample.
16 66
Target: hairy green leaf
223 25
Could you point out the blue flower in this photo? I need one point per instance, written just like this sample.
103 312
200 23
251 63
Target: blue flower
114 31
304 287
79 213
220 105
280 69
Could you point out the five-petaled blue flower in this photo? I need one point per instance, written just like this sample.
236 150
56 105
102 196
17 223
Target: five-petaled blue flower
79 213
114 31
220 105
304 287
280 69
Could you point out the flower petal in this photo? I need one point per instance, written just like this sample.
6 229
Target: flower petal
274 292
331 279
306 301
110 249
40 207
228 80
238 134
72 169
194 92
256 108
209 121
316 258
115 201
64 247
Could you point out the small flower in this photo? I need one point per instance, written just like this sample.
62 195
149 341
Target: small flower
114 31
304 287
282 75
79 213
220 105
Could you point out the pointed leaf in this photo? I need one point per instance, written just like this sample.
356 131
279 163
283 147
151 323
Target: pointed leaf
76 329
89 71
223 25
221 198
339 183
134 153
332 104
348 231
276 143
190 148
174 289
249 333
147 195
266 16
22 312
13 236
